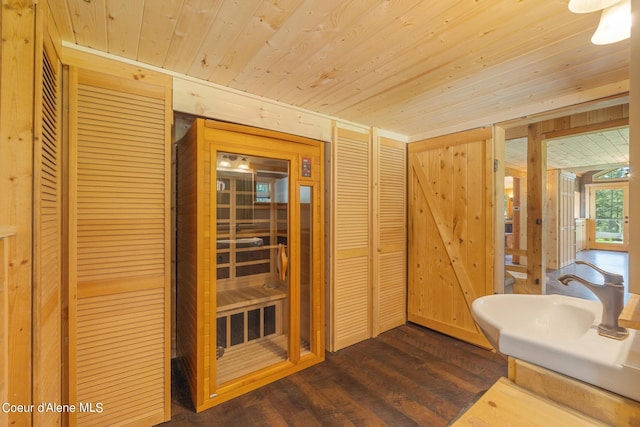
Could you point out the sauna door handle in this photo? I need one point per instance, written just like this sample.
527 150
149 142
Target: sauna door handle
283 261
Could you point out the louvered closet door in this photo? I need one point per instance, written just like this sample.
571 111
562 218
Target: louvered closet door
119 250
390 230
47 241
351 269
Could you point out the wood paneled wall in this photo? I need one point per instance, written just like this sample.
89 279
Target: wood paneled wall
193 216
119 241
18 51
222 103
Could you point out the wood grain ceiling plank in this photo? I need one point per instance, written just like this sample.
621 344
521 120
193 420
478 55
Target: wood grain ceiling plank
452 106
196 17
474 67
309 29
156 32
89 20
366 36
497 91
267 19
124 20
461 47
60 14
431 37
402 65
576 153
221 37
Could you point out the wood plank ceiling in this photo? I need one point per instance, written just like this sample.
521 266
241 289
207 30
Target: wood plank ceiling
419 68
578 154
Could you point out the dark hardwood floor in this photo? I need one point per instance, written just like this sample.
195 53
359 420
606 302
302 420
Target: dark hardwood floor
409 376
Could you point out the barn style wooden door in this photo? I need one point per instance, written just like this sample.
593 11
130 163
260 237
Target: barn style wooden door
450 231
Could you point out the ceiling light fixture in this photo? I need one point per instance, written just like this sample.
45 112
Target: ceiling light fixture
587 6
615 21
615 24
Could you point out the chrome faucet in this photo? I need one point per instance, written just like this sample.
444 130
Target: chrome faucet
610 294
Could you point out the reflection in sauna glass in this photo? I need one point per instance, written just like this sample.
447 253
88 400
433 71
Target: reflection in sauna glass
252 264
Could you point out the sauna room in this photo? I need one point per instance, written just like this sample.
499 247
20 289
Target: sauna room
255 213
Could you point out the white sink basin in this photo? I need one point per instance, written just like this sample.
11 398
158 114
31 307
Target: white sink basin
560 333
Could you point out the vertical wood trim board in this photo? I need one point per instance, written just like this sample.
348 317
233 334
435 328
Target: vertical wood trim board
634 150
193 210
119 177
536 185
351 230
17 65
7 239
567 224
4 349
552 222
450 232
390 234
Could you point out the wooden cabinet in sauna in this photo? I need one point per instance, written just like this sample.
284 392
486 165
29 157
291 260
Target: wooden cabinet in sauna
250 286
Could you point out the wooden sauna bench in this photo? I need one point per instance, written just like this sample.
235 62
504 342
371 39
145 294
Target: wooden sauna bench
233 299
258 313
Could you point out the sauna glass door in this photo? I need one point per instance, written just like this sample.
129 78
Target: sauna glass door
252 264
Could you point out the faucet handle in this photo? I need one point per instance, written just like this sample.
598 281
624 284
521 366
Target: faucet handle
611 278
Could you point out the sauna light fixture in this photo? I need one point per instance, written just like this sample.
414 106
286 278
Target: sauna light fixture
225 162
615 21
233 163
244 164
